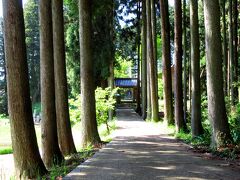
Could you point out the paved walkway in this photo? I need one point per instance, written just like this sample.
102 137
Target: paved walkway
142 151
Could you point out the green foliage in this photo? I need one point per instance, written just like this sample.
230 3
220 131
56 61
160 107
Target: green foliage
57 172
33 47
6 150
159 48
36 108
160 86
102 43
199 141
105 101
72 46
234 121
105 131
74 109
122 68
184 136
3 81
3 116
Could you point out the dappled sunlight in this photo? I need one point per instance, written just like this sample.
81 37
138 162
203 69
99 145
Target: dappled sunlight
165 168
138 147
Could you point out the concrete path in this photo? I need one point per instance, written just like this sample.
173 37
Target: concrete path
142 150
6 166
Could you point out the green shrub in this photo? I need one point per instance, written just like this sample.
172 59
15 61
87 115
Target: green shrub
234 121
6 150
105 101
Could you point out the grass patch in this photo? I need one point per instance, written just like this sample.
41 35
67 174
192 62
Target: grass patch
57 172
5 136
6 151
186 137
202 144
105 134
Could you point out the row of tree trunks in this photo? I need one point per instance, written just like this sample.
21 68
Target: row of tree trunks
179 116
27 160
54 84
151 64
51 151
231 67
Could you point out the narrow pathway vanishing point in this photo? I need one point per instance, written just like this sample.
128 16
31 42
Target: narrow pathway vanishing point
140 151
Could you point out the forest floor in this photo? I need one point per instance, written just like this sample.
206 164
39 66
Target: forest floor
142 150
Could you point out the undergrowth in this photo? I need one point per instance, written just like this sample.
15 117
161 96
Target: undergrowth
71 162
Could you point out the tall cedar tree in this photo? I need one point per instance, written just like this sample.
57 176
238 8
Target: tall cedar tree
179 119
184 61
27 160
151 65
144 61
216 104
138 41
166 56
88 107
195 70
234 69
61 90
231 55
51 151
154 39
112 54
225 53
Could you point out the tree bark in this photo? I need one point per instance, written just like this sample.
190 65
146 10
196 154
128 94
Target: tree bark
196 124
154 40
166 58
112 55
179 119
151 65
138 100
27 160
88 108
51 151
184 62
225 53
144 61
61 90
231 53
216 104
234 68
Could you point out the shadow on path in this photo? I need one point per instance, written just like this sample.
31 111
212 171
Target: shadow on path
141 150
